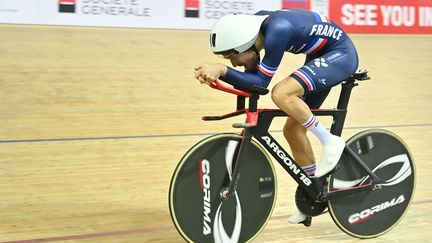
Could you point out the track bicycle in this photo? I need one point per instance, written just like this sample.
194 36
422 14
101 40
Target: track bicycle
224 188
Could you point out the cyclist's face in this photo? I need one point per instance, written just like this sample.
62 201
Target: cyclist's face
247 59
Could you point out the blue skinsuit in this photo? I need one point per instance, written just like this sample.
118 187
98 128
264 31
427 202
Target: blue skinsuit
330 54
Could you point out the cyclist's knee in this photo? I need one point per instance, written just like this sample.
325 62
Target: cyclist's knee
280 93
285 90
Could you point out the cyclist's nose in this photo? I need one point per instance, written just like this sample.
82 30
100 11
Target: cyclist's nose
234 62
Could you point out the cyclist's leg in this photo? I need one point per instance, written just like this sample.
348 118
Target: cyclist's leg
318 74
301 149
295 133
285 95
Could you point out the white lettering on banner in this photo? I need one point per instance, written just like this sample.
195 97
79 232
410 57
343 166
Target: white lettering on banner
391 15
398 16
425 16
359 14
363 16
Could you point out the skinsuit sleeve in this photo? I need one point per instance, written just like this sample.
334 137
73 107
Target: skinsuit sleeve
277 33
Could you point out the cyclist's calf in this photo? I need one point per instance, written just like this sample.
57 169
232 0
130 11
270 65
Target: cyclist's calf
301 149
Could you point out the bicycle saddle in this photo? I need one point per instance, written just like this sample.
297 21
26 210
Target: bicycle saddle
360 75
258 89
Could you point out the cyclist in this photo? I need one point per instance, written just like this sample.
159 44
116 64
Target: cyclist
330 58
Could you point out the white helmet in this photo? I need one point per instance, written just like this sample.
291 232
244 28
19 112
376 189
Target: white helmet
235 33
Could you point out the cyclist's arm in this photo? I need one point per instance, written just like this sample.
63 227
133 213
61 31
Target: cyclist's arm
276 38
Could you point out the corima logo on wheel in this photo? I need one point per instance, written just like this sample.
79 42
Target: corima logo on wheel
401 174
205 185
199 211
367 213
219 233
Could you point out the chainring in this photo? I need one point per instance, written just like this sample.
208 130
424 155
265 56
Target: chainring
308 205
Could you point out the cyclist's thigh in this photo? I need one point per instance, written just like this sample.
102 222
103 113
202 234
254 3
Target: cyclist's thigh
321 72
315 99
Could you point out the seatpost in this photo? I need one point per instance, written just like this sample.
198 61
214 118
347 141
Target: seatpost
346 93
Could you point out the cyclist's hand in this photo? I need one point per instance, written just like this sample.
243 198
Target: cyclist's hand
208 73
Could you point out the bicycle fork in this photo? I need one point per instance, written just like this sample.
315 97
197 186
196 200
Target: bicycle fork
228 192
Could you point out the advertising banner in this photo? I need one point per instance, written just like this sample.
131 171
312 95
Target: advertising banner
178 14
204 13
385 16
355 16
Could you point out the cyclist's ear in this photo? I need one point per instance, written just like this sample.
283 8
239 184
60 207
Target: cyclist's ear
259 43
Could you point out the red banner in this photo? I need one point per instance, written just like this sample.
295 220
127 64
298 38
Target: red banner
385 16
295 4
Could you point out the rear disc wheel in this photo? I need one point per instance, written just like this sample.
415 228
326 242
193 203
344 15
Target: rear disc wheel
371 213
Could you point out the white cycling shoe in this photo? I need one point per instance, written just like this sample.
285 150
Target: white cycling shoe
300 218
330 156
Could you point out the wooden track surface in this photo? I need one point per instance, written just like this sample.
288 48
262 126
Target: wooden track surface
94 121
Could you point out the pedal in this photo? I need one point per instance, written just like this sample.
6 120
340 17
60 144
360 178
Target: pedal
307 222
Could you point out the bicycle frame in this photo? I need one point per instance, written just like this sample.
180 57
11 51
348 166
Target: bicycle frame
244 182
257 124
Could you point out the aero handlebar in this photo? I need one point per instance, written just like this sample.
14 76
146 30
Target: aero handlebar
219 86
